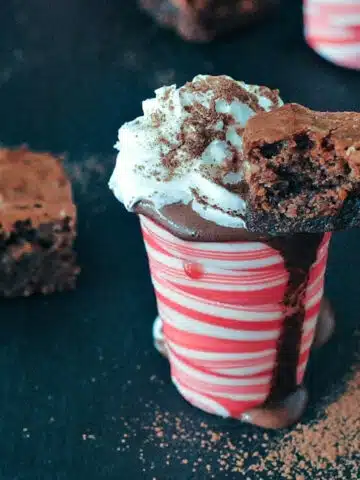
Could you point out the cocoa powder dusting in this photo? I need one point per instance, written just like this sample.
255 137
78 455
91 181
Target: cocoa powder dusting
85 170
88 174
201 450
226 89
199 446
331 444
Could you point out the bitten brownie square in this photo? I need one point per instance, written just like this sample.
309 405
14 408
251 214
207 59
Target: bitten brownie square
302 170
37 225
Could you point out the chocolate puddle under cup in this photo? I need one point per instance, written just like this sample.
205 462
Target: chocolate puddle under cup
237 320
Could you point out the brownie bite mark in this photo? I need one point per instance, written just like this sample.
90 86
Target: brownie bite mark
37 224
302 170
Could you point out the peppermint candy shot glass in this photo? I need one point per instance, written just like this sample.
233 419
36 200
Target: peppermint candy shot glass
238 312
237 320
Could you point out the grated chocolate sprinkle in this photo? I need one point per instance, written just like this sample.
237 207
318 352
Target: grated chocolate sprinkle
200 129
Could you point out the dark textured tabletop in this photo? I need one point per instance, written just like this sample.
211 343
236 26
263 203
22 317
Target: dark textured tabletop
83 394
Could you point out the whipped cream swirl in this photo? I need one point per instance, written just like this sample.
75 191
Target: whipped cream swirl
187 148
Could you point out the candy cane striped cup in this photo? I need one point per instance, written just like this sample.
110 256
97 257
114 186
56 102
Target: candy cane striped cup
221 315
332 29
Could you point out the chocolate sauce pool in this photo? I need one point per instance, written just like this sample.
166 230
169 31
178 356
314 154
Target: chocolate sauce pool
299 252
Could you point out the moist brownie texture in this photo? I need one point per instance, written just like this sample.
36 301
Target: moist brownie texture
202 20
302 170
37 224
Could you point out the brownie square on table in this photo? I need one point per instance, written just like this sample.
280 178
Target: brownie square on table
37 224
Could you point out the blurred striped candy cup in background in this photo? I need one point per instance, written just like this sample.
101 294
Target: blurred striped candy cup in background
332 29
221 314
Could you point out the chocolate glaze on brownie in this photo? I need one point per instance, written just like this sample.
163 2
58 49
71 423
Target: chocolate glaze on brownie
37 224
203 20
302 171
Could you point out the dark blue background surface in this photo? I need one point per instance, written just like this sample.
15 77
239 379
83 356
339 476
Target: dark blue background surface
71 73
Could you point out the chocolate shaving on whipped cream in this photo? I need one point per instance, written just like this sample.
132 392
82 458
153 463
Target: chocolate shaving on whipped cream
187 148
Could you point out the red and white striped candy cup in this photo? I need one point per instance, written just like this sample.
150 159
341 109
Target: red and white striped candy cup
332 29
220 316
